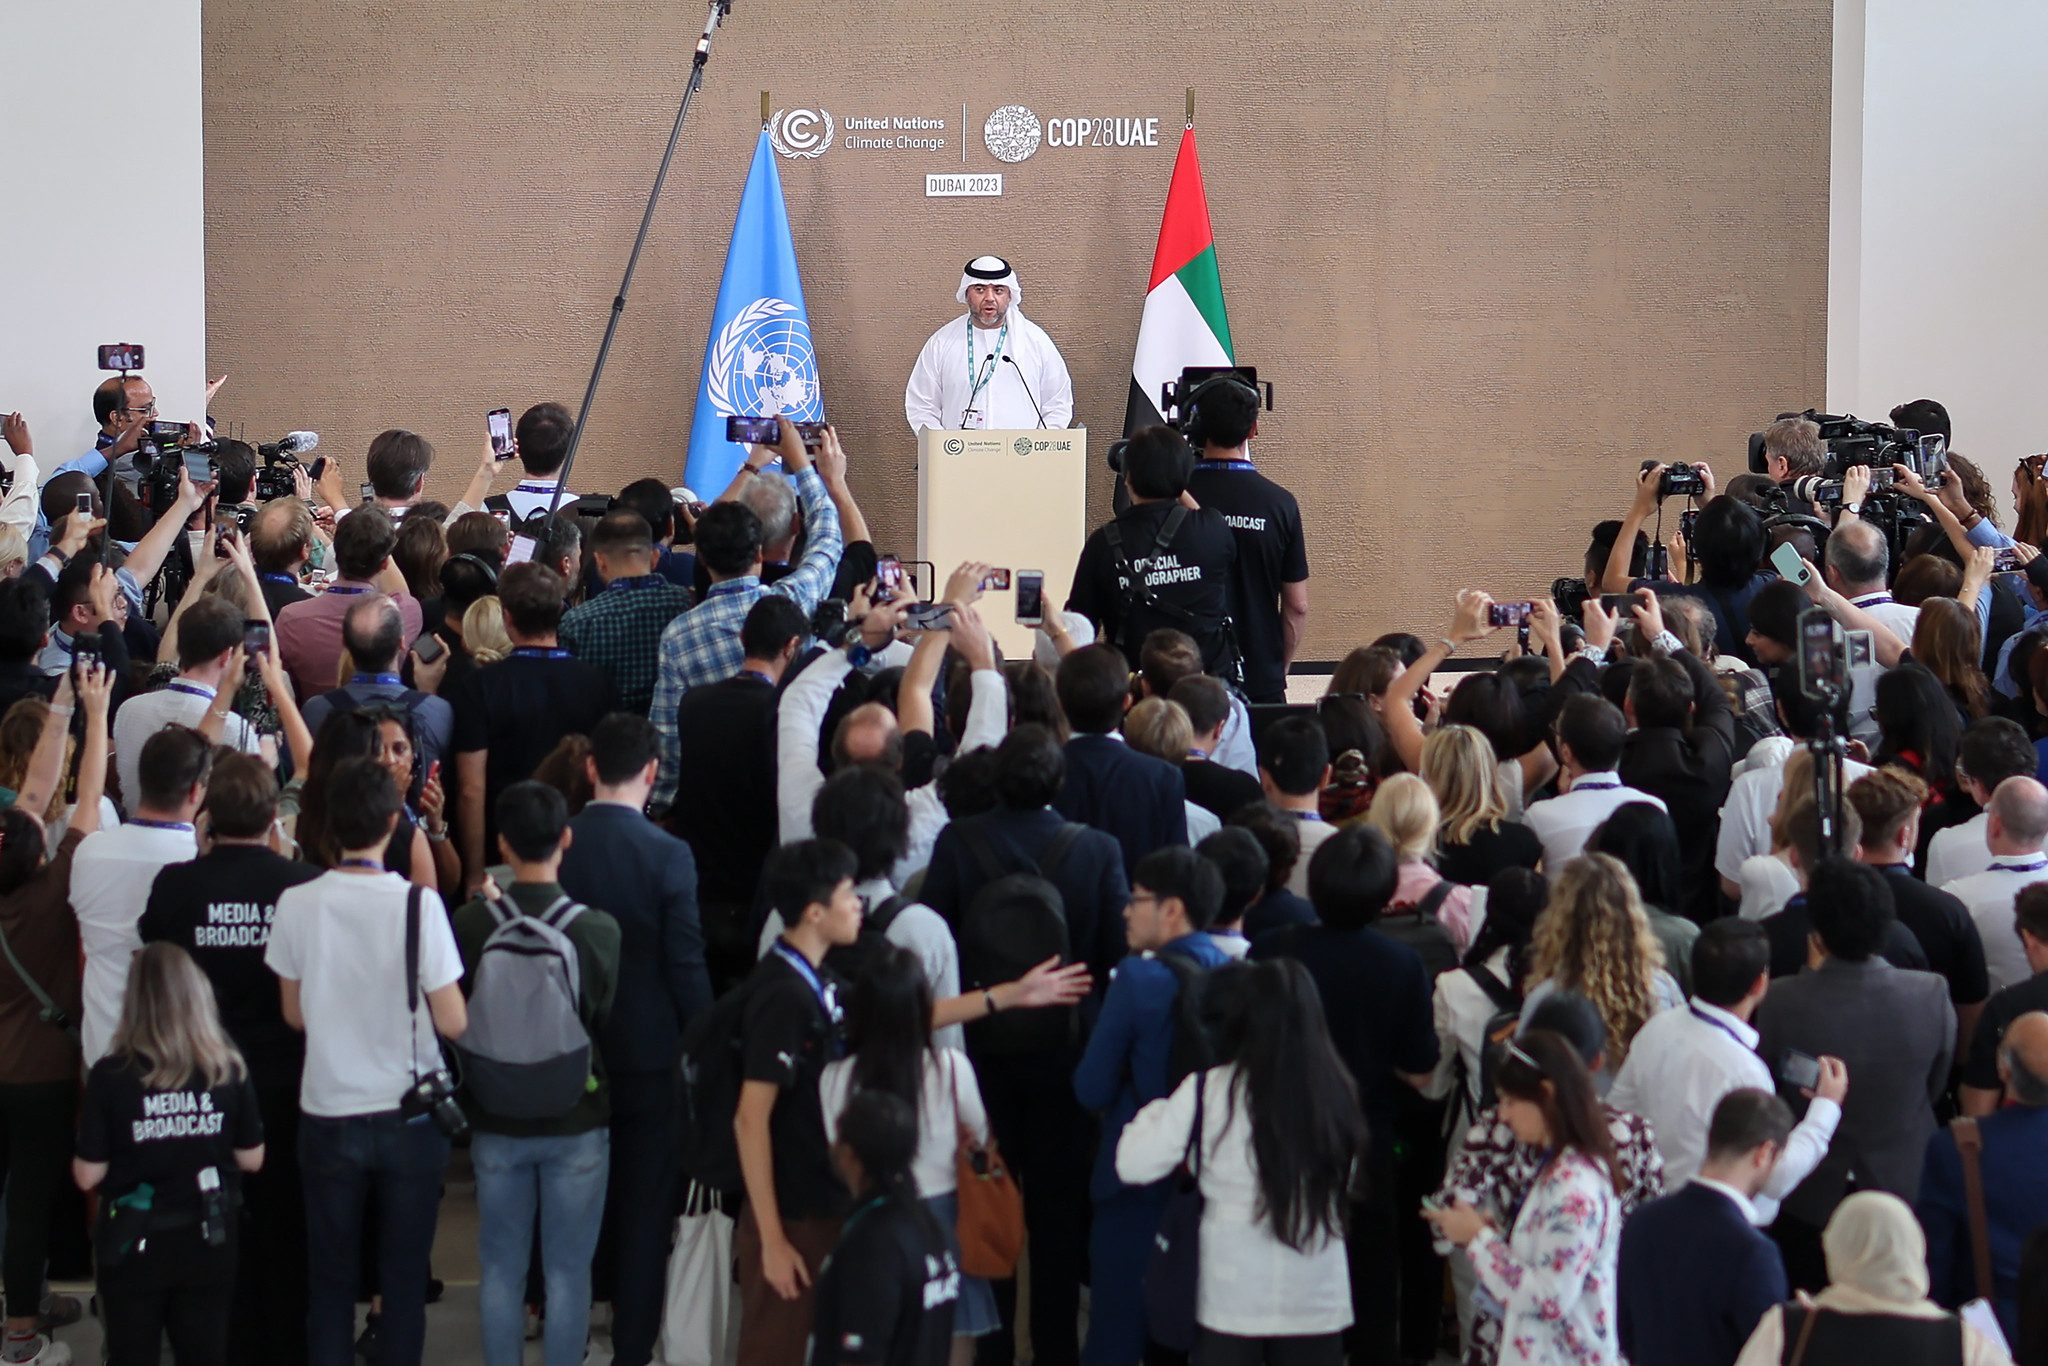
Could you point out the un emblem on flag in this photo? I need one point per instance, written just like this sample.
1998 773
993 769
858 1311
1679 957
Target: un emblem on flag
762 363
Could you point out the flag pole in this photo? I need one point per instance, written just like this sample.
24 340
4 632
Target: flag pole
719 11
764 109
1191 106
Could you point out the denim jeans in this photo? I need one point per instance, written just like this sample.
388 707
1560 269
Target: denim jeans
344 1163
564 1179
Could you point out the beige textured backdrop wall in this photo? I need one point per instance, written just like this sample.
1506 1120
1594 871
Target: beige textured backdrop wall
1493 252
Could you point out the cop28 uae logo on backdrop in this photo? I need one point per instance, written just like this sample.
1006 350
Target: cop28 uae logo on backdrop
1012 133
800 132
763 363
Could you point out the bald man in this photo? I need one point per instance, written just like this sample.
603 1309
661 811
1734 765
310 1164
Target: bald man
2015 826
1856 564
2014 1176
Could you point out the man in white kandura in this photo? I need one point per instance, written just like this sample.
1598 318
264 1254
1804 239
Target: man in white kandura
992 367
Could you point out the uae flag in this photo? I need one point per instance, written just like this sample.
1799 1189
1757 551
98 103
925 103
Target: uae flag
1184 323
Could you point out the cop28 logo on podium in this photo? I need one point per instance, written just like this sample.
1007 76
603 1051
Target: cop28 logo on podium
763 363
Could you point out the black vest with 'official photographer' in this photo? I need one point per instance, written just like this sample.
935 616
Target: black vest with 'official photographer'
1129 583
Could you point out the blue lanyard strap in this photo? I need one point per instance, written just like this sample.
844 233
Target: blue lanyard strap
541 652
289 580
756 673
348 589
2036 866
191 689
185 826
1595 787
1225 465
392 679
1721 1025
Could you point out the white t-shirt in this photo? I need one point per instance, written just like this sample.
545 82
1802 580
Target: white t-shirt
1564 823
951 1097
181 702
1314 830
1959 851
111 875
1768 882
1746 815
341 937
1990 895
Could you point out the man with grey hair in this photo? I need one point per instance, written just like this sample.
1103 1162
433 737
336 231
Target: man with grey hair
2016 824
773 500
1792 447
373 633
2014 1181
1856 565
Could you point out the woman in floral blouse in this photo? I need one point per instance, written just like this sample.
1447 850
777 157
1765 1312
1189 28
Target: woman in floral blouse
1551 1271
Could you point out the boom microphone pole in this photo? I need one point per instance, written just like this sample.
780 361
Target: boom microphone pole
720 9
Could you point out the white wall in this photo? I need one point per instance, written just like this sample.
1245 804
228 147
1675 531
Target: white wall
102 234
1938 273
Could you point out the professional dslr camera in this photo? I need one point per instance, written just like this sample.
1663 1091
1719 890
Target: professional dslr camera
1679 480
161 455
1852 441
279 476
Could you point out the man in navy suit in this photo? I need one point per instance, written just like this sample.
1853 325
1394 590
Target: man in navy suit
622 863
1696 1274
1030 1096
1136 798
2015 1180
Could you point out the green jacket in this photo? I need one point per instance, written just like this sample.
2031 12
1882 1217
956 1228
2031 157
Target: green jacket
596 937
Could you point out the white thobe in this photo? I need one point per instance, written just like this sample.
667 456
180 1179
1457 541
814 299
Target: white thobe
943 392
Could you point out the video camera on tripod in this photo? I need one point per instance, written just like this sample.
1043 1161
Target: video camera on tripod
1852 441
1180 401
1838 670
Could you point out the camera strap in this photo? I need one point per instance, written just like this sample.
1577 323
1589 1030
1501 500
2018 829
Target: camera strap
1228 661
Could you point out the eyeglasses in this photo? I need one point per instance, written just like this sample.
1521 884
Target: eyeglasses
147 410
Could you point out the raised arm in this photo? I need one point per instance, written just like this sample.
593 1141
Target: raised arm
1614 575
831 462
46 761
1404 730
298 737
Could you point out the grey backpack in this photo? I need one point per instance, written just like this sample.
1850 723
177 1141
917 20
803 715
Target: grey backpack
526 1054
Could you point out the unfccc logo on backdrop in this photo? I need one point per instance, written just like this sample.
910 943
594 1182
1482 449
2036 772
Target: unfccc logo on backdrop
1012 133
800 132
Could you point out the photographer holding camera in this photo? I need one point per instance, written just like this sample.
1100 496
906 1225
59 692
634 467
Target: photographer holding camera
366 964
1161 563
1727 546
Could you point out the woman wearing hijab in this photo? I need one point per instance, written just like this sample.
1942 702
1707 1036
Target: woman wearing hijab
1875 1307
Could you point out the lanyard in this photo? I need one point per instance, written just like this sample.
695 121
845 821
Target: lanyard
741 584
184 826
1872 600
372 864
288 580
1721 1025
1225 465
541 652
755 673
1307 815
392 680
637 581
828 999
975 385
1595 787
348 589
190 689
2036 866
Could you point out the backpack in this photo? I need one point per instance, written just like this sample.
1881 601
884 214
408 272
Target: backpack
526 1053
1197 1029
710 1093
853 961
1216 636
1014 923
1499 1031
1420 930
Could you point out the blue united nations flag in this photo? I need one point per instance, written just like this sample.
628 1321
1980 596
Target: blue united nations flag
759 359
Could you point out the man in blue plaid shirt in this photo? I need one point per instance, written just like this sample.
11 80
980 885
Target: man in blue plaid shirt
703 644
619 630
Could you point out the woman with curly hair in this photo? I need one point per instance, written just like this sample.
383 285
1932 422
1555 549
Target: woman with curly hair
1594 939
1476 840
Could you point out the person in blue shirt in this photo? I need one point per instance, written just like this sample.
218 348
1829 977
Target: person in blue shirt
1175 895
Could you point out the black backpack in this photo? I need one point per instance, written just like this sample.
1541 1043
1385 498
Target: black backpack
851 962
1501 1028
1015 922
1420 930
710 1092
1197 1029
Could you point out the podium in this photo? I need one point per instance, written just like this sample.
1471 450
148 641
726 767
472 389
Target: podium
1013 499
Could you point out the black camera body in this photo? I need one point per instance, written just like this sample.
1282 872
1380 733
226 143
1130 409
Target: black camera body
1180 401
277 479
1852 441
1679 480
433 1095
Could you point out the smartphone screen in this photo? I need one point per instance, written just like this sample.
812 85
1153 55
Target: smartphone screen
255 637
1030 597
1791 565
889 578
751 431
1799 1070
428 648
930 616
1508 613
198 466
1617 604
499 421
121 356
84 505
369 492
520 551
997 579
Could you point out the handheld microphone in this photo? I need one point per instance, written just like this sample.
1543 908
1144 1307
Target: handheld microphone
1027 390
292 444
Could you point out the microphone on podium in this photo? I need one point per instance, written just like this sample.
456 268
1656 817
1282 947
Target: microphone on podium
1027 390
